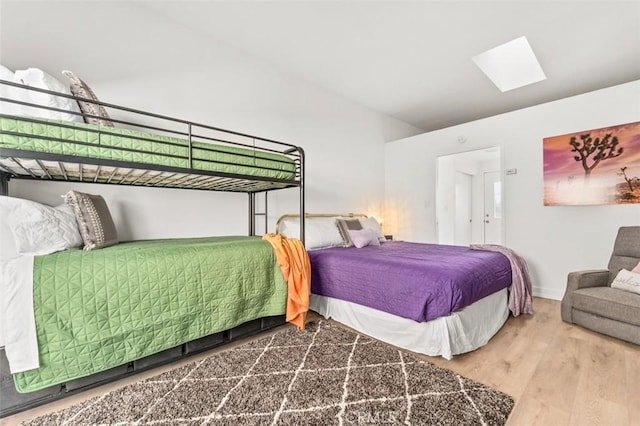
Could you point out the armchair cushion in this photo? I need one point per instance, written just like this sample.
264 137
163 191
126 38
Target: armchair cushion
610 303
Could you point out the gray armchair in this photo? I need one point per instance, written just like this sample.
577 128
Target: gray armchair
589 300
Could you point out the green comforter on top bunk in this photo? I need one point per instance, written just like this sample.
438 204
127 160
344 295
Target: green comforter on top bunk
100 309
88 140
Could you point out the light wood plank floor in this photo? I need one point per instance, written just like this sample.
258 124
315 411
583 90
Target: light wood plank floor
558 374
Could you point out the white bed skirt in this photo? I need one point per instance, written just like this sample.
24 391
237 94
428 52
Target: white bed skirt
460 332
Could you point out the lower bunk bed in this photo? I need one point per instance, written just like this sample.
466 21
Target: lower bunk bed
101 314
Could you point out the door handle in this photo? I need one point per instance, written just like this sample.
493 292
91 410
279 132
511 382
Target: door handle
486 221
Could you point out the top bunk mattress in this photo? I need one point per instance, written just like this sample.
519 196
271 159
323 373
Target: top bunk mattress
421 282
88 141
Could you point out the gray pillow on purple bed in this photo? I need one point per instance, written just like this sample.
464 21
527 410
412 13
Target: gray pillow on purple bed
344 226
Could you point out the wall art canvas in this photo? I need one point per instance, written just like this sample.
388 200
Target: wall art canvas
599 166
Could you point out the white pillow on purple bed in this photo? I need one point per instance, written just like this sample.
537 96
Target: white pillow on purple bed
364 237
320 232
372 224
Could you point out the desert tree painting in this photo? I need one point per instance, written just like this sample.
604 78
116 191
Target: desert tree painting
600 166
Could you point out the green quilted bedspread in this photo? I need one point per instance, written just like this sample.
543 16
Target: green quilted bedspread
99 309
80 139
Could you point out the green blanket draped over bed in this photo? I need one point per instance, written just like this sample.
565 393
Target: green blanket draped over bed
99 309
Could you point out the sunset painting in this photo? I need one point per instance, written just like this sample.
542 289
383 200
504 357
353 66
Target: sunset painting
600 166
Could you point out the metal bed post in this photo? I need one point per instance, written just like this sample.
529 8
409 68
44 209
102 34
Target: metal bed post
252 213
302 207
266 212
4 183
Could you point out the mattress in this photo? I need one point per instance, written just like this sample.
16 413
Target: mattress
92 141
99 309
420 282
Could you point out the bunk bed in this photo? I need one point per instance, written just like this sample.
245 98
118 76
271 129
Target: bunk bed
148 150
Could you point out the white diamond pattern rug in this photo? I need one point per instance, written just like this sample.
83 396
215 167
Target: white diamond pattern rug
325 375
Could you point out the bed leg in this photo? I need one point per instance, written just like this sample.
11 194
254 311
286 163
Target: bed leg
4 184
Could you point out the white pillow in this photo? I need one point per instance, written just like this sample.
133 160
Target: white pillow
6 73
38 229
11 92
320 232
372 223
37 78
627 280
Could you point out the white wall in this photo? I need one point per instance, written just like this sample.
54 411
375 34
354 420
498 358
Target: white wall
554 240
131 57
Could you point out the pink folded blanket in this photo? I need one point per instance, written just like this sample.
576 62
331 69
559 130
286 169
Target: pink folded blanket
520 299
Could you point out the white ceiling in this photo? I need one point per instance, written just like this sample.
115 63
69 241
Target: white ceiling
408 59
412 60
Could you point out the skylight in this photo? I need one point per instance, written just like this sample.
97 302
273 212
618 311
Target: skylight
511 65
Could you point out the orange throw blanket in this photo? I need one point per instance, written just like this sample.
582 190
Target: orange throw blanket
294 263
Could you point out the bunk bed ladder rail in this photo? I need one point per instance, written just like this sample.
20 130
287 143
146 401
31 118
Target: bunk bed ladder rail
253 213
252 201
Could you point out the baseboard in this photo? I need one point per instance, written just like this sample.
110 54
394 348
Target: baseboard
548 292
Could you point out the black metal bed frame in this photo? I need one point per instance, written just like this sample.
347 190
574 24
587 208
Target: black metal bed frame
35 165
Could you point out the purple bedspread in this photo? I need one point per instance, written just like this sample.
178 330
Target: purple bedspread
411 280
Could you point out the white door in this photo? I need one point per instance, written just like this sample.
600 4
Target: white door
492 208
463 209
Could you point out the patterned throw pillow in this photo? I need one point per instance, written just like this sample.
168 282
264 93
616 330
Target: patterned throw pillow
627 280
95 222
80 89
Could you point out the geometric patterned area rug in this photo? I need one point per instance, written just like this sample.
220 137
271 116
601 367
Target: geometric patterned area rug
325 375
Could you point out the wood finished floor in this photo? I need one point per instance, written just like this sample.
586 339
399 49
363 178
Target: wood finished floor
558 374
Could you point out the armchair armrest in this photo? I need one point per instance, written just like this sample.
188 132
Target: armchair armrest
578 280
590 278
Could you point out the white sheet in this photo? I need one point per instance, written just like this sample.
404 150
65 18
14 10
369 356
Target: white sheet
460 332
17 320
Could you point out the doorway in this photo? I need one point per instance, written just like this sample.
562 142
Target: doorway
463 214
469 198
492 225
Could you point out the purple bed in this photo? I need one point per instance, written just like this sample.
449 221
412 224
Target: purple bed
411 280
